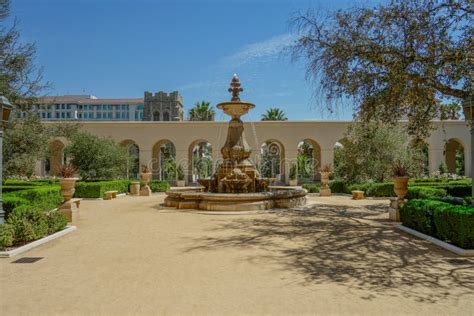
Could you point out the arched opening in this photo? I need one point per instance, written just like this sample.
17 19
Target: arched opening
308 160
156 116
166 116
271 160
133 164
454 157
339 159
200 156
57 157
164 161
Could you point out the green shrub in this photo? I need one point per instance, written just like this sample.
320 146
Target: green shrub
425 193
12 201
360 186
159 186
50 195
459 190
380 190
6 235
97 189
451 223
13 188
28 222
56 221
311 187
338 187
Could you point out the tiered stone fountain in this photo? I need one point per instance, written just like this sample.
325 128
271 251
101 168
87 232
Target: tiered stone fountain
236 185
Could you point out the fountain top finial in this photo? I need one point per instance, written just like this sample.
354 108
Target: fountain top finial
235 88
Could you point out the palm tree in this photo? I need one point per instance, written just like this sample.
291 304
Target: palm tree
202 111
274 114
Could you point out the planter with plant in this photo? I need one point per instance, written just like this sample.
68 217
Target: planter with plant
145 176
293 175
400 186
180 182
67 182
325 172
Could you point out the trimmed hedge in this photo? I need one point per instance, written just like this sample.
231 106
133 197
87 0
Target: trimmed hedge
451 223
425 193
311 187
339 187
45 197
97 189
381 190
12 201
13 188
159 186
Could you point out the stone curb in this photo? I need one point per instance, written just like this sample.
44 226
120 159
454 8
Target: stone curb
442 244
36 243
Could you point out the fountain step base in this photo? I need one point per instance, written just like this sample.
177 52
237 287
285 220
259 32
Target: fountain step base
235 202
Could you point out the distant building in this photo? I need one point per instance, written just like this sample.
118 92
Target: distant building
163 106
88 108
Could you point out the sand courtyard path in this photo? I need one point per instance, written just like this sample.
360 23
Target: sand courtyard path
333 257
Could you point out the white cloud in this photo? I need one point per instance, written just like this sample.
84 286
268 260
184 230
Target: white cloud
260 51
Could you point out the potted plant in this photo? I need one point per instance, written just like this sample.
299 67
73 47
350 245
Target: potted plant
67 181
180 176
293 175
145 176
400 180
325 172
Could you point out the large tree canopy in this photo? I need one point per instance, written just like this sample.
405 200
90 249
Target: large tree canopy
397 61
20 79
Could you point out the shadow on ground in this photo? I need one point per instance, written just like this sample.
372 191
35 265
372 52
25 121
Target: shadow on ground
355 247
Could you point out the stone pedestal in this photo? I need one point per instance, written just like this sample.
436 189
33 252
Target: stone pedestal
393 211
145 191
135 188
325 192
357 195
70 211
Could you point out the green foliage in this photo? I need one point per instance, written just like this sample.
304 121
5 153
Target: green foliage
393 67
293 171
339 187
29 223
7 235
425 193
454 224
97 189
274 114
56 221
443 168
13 188
311 187
97 157
180 173
450 111
202 111
159 186
11 201
381 190
370 149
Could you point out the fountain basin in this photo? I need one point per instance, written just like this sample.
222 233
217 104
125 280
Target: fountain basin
235 109
279 197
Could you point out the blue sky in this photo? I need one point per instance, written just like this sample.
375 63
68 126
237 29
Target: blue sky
122 48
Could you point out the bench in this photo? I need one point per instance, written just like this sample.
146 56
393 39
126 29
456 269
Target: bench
109 195
358 195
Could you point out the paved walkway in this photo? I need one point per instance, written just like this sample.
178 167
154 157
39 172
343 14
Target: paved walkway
132 256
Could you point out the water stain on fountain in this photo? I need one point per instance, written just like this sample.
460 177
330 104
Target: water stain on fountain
236 184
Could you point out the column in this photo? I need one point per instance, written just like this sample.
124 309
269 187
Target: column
435 157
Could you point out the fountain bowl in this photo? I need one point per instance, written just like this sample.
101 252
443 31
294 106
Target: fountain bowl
196 198
235 109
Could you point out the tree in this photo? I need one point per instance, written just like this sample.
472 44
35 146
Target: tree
20 79
25 142
97 158
395 60
370 149
450 111
202 111
274 114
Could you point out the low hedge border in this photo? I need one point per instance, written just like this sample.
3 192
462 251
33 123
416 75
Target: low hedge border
447 222
97 189
47 197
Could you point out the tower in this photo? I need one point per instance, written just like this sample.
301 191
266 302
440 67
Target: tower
163 106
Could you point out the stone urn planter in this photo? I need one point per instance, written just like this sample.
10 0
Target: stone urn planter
135 188
400 186
67 188
145 189
180 183
293 182
325 190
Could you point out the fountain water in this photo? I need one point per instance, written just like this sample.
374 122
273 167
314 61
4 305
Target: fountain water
236 184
